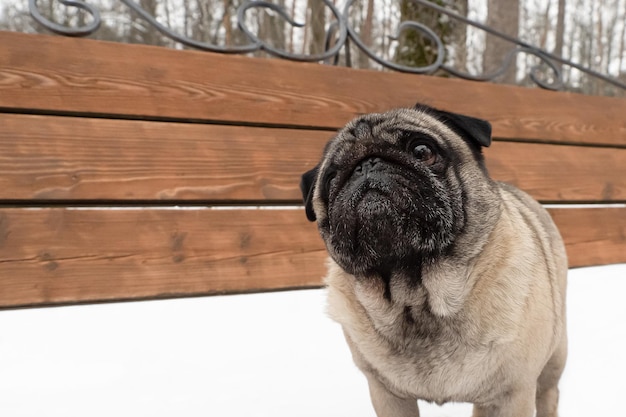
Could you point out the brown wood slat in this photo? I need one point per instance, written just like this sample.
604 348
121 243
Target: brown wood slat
593 236
560 173
62 256
45 73
46 157
52 256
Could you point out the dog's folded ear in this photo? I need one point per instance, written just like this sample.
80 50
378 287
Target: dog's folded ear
307 186
478 130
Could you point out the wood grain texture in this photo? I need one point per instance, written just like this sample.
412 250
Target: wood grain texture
52 158
560 173
63 158
85 76
52 256
593 236
62 256
67 255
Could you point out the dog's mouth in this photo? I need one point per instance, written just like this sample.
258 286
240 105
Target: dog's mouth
370 220
371 198
383 213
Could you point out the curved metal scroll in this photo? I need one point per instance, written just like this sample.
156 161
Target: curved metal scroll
340 34
64 30
147 17
330 51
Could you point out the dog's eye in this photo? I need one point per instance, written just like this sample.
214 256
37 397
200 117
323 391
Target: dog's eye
424 153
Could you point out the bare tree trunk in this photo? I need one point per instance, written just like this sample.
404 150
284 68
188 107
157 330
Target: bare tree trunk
47 10
272 28
545 27
226 23
414 50
598 62
141 31
611 29
458 37
317 16
366 33
586 48
186 22
201 29
569 46
599 32
622 46
386 32
560 29
291 27
502 15
234 35
168 15
560 33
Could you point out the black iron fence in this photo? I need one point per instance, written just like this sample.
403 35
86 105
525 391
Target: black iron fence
341 36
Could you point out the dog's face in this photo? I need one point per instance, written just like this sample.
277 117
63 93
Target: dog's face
393 190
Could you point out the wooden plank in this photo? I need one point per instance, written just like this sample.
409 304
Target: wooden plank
61 256
593 236
52 256
46 73
52 158
560 173
63 158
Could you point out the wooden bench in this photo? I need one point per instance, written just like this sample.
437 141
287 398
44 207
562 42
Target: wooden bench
134 172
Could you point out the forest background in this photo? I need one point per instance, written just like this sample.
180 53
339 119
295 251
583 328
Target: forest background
588 32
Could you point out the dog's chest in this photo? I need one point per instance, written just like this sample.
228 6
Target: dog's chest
416 354
438 374
409 349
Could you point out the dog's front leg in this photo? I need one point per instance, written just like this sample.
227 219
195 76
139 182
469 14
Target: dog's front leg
387 404
518 403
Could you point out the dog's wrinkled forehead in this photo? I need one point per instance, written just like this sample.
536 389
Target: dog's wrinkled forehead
384 126
378 129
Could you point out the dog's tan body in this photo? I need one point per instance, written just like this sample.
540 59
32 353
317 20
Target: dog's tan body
449 286
499 319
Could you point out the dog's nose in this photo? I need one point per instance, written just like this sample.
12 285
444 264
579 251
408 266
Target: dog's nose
368 165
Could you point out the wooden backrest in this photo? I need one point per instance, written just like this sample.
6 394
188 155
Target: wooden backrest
135 172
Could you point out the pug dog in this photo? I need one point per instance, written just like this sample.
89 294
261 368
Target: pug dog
449 286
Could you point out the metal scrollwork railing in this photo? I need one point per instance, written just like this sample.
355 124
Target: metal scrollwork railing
86 30
340 34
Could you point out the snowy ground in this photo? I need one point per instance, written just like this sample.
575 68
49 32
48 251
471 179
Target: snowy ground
256 355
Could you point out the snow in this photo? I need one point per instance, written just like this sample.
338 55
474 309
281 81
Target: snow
271 354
